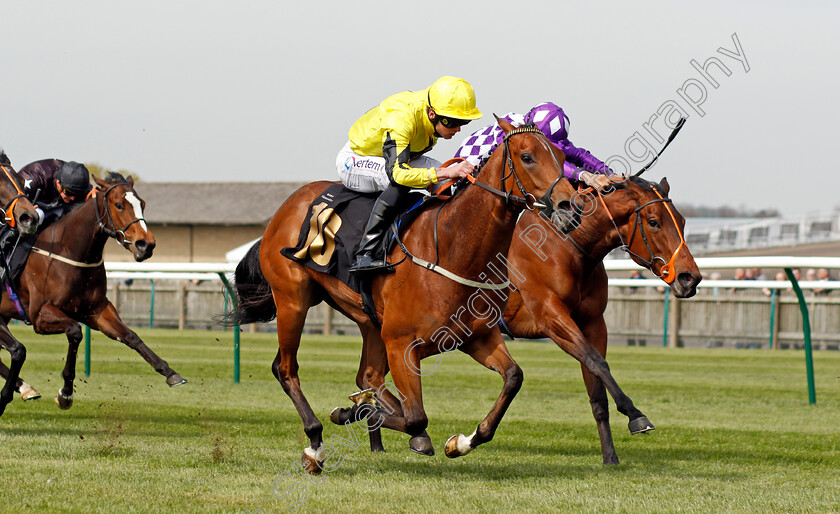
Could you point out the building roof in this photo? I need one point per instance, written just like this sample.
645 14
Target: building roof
213 203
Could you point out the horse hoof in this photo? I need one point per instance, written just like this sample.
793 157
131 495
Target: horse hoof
175 380
27 392
640 425
340 415
313 461
457 446
63 402
421 444
365 396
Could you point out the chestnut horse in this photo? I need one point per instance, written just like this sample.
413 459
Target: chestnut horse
420 311
20 215
561 288
64 283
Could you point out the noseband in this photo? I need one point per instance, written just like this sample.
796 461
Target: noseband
9 209
113 230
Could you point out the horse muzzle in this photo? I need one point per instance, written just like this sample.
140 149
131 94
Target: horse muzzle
685 286
142 249
565 217
26 224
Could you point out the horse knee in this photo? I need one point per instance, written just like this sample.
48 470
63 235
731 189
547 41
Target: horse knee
600 410
596 364
74 333
513 379
17 353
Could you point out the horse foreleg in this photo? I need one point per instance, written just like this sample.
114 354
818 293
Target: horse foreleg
27 392
491 352
109 323
565 333
596 333
18 355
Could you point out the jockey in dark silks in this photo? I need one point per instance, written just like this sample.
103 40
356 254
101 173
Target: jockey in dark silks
385 153
53 187
580 165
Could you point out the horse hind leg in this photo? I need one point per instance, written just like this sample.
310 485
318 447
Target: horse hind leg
292 307
18 355
596 333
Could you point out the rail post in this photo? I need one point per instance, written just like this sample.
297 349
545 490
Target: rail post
152 305
774 318
806 331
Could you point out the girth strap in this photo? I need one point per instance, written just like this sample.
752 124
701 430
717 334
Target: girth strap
68 261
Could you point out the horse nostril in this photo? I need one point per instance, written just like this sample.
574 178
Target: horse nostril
140 245
687 280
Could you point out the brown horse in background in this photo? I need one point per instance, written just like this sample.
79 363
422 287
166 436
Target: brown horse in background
20 215
64 283
561 288
423 313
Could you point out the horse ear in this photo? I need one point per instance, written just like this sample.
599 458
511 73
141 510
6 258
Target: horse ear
130 180
506 127
663 185
100 182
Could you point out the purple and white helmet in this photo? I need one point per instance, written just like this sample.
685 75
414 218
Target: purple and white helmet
551 120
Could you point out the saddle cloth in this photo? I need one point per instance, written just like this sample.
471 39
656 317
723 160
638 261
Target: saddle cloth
332 230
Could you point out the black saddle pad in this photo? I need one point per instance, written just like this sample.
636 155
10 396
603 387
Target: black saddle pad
18 261
332 230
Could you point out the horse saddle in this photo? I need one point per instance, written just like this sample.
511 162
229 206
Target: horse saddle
333 228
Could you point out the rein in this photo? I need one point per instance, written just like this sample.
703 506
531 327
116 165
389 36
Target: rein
9 210
527 200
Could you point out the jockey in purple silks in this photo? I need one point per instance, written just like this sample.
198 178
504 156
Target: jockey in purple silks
580 165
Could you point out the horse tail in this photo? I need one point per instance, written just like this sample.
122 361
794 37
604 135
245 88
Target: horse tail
254 301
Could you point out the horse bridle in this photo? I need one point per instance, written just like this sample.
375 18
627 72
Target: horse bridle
9 209
114 231
527 200
666 272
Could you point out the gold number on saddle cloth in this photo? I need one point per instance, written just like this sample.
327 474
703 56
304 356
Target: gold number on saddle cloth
320 241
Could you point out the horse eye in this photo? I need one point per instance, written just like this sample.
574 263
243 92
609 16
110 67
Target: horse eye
118 205
653 223
526 158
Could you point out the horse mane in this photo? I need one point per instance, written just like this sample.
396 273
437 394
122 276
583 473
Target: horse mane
113 176
639 181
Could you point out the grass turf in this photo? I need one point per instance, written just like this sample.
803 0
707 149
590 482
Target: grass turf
734 433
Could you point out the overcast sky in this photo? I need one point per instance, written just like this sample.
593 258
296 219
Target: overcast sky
267 90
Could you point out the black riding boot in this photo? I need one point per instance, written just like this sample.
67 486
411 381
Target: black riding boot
370 256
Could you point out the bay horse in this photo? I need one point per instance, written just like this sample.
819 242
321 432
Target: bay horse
64 283
420 311
560 289
19 214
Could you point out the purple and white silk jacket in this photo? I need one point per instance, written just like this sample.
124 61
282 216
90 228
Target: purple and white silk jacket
553 122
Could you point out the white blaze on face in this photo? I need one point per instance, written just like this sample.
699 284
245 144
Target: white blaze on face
132 199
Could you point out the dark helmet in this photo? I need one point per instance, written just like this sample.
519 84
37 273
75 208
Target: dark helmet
74 177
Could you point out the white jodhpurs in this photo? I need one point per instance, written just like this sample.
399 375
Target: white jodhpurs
366 174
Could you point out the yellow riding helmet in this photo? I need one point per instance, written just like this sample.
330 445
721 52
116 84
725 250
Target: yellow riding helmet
453 97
